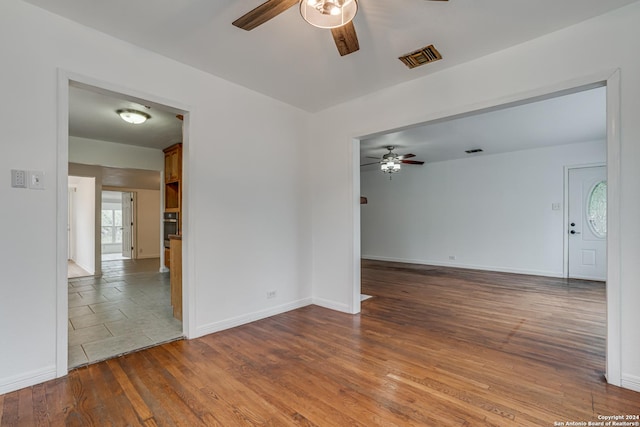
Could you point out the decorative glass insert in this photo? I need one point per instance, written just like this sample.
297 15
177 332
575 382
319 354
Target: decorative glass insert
597 209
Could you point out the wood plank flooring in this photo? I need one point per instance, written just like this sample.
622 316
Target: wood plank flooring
432 347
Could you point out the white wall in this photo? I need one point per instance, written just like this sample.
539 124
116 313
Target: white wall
237 214
83 224
147 224
105 153
491 212
567 57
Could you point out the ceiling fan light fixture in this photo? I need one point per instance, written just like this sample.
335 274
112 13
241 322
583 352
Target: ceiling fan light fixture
390 165
328 13
133 116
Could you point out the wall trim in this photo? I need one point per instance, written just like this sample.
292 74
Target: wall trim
466 266
631 382
334 305
232 322
27 379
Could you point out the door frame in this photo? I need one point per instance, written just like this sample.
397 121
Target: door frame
565 216
65 79
611 80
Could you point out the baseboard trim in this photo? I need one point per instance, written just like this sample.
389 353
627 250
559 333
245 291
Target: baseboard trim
28 379
147 256
332 305
467 266
632 382
250 317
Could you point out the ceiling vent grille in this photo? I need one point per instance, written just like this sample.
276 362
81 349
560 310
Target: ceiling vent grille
421 56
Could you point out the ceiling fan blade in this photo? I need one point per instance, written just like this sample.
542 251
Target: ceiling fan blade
367 164
346 39
407 156
373 157
261 14
412 162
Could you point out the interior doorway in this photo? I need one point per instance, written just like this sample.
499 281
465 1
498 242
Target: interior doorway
118 225
126 306
610 80
81 227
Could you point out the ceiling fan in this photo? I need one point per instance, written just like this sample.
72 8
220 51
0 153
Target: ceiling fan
336 15
390 162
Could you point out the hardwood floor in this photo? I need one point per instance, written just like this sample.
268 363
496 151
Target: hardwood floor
432 347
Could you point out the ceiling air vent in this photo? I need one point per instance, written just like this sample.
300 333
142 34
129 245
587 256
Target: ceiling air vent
474 150
421 56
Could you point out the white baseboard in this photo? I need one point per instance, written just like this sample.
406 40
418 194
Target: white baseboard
332 305
147 256
249 317
467 266
28 379
631 382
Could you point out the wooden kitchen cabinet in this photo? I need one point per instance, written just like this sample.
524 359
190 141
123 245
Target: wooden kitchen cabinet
173 178
175 275
173 163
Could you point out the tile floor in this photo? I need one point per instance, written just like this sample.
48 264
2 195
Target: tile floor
126 309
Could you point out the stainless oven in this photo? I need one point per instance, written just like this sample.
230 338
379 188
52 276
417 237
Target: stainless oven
170 226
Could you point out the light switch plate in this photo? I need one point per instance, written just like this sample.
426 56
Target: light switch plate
36 180
18 178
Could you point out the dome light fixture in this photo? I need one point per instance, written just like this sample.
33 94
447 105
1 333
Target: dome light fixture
328 13
133 116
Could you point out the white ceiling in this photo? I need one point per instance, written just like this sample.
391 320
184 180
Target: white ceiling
92 114
199 33
292 61
577 117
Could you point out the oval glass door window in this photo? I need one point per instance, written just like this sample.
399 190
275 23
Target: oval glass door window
597 209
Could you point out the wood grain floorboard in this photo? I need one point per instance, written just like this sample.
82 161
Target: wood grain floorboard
432 347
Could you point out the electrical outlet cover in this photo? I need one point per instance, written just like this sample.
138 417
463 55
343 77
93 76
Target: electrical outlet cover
36 180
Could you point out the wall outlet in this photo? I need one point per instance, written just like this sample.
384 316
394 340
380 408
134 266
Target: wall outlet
452 257
271 294
18 178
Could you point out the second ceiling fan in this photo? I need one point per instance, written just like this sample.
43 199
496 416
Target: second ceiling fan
336 15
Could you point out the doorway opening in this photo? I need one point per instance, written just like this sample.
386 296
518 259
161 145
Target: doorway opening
125 306
81 227
611 82
117 225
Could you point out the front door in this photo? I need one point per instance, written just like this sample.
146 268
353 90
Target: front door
587 226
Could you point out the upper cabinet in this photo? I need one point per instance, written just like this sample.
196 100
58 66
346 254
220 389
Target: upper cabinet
173 178
173 163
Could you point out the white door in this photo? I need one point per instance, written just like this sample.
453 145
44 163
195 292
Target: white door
587 226
71 244
127 224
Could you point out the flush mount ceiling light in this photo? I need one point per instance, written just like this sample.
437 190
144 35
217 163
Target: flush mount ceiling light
328 13
133 116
